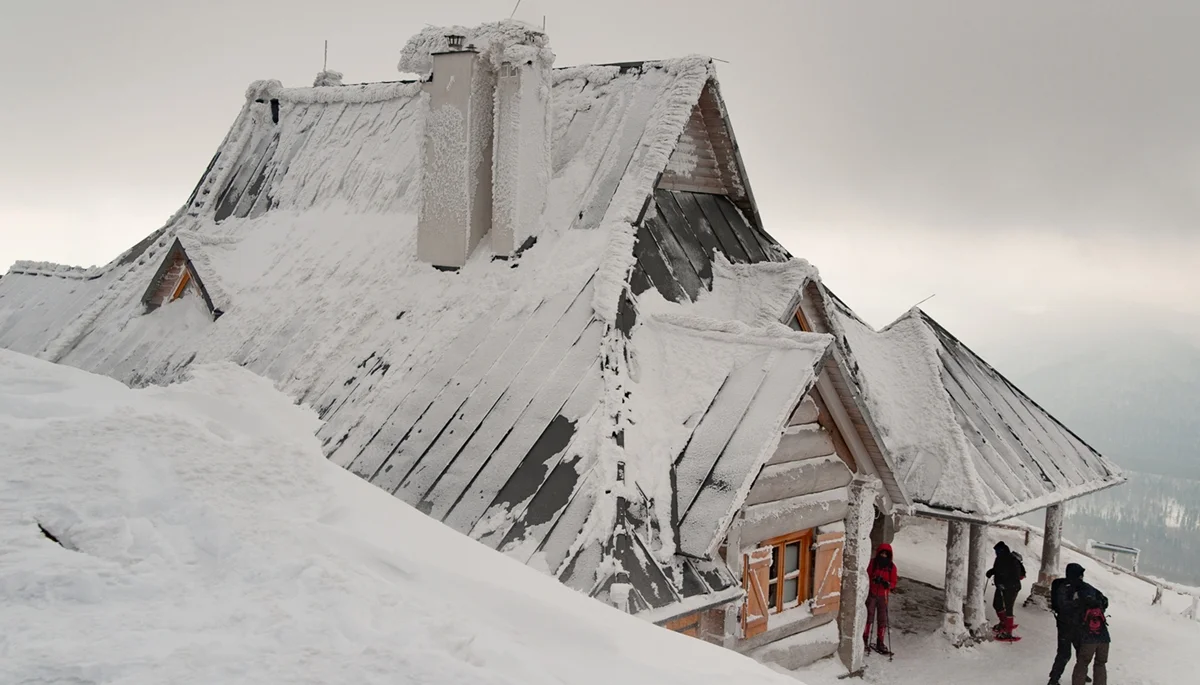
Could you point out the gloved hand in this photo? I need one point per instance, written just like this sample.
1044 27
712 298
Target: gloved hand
990 573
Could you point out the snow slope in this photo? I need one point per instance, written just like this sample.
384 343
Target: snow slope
1151 644
209 541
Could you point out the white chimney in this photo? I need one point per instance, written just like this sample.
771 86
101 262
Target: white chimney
456 191
494 96
521 172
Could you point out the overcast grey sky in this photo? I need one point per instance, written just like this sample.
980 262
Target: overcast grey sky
1014 158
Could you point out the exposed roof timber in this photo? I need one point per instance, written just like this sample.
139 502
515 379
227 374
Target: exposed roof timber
927 511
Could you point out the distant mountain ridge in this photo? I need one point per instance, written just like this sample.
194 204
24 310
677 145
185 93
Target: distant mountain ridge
1132 392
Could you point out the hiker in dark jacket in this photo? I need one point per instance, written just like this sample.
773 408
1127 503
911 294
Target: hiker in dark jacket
1091 606
1007 572
1064 604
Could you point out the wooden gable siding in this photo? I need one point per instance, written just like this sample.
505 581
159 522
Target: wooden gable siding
804 482
694 165
706 159
167 285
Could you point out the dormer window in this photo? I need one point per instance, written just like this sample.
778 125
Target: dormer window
176 278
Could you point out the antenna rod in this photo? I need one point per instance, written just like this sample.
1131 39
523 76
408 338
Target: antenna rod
325 66
515 9
924 301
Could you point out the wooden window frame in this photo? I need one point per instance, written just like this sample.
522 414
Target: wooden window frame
803 574
803 320
184 279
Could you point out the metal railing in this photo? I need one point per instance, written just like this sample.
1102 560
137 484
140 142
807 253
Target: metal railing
1160 585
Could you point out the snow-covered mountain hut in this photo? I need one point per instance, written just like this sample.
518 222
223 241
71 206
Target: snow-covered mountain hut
536 303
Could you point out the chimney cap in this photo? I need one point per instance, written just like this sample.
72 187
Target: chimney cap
455 41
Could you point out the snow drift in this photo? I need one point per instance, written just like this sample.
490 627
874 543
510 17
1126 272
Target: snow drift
203 538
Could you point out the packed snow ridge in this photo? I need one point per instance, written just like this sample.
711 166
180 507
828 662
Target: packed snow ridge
202 537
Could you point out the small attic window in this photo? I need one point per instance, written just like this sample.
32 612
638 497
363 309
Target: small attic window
275 110
181 287
802 321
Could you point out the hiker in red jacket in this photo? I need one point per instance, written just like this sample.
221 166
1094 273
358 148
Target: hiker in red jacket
882 576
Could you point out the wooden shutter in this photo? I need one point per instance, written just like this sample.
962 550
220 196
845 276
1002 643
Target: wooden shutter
757 565
827 573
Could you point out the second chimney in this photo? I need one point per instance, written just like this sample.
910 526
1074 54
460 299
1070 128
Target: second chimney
521 172
456 191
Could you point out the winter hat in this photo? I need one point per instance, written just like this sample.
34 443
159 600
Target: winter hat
1074 572
1000 547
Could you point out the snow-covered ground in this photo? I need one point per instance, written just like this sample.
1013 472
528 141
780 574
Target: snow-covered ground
207 541
1152 645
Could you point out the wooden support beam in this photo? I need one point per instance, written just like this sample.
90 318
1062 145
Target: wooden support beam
803 442
975 611
957 551
781 481
770 520
1051 555
856 554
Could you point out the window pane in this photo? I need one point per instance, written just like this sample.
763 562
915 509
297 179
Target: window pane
771 591
774 562
791 590
791 558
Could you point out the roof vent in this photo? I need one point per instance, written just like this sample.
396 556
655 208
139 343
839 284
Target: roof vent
456 42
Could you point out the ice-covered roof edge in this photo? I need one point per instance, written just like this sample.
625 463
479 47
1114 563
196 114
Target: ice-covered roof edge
916 317
825 299
934 325
635 192
1028 506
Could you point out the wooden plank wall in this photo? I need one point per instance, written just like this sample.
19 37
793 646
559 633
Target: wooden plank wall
807 467
166 286
693 165
705 160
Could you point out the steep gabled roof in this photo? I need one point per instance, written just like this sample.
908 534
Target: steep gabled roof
505 398
964 441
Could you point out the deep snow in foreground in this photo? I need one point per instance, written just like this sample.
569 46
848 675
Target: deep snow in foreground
210 542
1152 645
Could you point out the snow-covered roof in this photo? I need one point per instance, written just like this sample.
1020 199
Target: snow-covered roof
203 538
964 441
536 403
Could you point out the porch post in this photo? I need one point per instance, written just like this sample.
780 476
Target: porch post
1051 553
957 551
733 559
975 612
856 555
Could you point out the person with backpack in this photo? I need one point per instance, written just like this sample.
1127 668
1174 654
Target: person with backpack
882 576
1008 571
1094 639
1064 603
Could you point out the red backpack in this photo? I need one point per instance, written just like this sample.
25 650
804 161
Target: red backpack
1094 621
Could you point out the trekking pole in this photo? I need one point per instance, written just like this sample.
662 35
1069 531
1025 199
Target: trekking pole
888 612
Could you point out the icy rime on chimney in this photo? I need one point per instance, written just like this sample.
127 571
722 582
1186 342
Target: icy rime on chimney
485 102
522 169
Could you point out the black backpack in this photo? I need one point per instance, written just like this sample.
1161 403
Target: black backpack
1020 565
